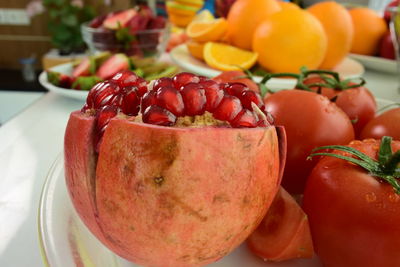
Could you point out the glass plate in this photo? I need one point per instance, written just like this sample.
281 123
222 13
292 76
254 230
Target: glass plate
65 240
376 63
180 55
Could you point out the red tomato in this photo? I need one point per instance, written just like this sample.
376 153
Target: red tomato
284 232
386 47
388 123
310 120
354 217
358 103
234 76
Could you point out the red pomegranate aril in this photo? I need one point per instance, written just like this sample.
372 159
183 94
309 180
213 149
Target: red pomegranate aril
103 117
236 89
204 78
125 78
228 109
163 82
184 78
171 99
194 97
245 118
131 102
142 86
102 94
148 99
159 116
214 95
249 97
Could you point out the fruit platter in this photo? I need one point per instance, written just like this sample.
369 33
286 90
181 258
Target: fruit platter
267 148
74 80
252 172
331 37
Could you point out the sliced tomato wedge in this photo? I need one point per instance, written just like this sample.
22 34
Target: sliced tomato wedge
284 232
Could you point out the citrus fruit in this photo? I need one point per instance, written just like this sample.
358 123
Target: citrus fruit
338 26
180 20
226 57
287 5
288 40
204 15
179 9
369 28
196 49
243 18
207 31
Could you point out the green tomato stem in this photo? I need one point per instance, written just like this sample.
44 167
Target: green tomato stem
386 168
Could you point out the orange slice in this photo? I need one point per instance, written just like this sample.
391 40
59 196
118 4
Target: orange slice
207 31
226 57
196 49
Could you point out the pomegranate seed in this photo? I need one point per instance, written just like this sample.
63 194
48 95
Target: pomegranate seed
245 118
184 78
142 86
203 78
194 97
103 94
228 109
125 78
236 89
103 117
130 101
158 116
148 99
171 99
163 82
248 97
223 86
214 94
85 107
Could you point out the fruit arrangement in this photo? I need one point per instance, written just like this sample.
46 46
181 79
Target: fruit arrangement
135 31
102 66
179 171
281 37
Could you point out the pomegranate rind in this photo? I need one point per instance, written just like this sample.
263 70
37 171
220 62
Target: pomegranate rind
168 196
79 162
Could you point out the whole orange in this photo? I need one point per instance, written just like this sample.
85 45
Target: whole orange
285 5
369 28
243 18
338 26
288 40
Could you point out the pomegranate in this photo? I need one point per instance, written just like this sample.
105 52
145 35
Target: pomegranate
179 180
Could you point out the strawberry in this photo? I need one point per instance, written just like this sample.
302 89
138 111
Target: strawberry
112 65
59 79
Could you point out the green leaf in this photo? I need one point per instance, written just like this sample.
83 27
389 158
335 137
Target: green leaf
385 150
70 20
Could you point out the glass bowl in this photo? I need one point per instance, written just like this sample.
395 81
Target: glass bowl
65 240
145 43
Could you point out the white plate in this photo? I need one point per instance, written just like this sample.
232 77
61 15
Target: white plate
70 93
65 240
377 63
180 55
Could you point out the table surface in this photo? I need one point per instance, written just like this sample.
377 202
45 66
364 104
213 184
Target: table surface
29 144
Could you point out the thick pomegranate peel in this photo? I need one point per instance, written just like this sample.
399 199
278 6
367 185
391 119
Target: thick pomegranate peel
171 196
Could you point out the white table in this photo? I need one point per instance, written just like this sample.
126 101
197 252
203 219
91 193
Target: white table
31 141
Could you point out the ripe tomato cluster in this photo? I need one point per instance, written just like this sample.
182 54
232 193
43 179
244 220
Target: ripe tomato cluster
351 213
